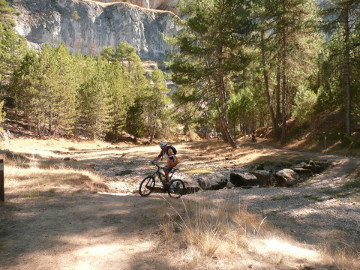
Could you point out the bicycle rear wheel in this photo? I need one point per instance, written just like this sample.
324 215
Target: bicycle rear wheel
176 188
147 186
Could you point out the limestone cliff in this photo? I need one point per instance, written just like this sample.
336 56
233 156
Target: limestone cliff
152 4
88 26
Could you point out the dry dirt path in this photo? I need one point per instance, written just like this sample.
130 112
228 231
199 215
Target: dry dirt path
69 227
81 230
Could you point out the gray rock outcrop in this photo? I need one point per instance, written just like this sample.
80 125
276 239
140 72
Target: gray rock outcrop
264 177
286 178
213 181
243 179
151 4
279 177
87 27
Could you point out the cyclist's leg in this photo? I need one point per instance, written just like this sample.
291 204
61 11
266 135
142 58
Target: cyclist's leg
167 171
168 168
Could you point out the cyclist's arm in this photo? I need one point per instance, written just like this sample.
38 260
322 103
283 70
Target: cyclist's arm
159 156
173 160
171 154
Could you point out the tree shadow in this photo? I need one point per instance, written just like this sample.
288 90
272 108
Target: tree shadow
66 222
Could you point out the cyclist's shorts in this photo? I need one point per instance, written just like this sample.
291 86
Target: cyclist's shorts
166 168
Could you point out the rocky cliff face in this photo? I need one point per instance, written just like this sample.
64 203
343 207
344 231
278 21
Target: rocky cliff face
152 4
87 27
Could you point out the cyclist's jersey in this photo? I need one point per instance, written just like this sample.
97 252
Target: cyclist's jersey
173 160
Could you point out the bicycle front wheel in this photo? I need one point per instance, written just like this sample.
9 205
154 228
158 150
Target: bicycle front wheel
176 188
147 186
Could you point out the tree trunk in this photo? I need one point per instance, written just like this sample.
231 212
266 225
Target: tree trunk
152 135
347 71
278 91
222 108
283 106
284 87
266 83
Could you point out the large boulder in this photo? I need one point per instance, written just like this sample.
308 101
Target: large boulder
213 181
244 179
264 177
286 178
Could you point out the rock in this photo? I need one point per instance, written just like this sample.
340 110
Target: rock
151 4
286 178
264 177
243 179
213 181
302 171
189 180
87 27
317 166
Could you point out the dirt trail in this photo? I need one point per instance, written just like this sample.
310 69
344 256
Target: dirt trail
81 231
69 227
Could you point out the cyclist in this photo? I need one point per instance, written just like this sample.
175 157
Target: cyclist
253 136
172 161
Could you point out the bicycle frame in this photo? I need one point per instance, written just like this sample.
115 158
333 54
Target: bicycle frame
160 175
175 188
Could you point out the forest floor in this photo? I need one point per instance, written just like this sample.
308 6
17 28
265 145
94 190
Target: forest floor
74 205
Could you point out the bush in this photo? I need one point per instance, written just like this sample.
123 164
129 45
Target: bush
305 101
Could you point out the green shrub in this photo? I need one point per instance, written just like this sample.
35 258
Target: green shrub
305 101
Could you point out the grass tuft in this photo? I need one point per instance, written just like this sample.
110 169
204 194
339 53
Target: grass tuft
207 231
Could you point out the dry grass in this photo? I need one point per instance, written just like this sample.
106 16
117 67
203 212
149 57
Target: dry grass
213 235
226 236
31 145
32 169
342 257
33 181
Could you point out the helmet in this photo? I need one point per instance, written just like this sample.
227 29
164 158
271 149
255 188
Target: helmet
162 144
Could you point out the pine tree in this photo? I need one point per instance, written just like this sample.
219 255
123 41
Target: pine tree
288 41
92 101
211 49
120 97
127 83
44 88
12 46
341 19
157 110
64 85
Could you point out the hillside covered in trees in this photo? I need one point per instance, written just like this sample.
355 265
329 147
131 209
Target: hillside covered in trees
241 65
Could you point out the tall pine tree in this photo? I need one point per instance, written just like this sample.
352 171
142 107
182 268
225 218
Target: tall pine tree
341 17
211 49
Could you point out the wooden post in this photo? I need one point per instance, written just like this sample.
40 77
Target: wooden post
2 189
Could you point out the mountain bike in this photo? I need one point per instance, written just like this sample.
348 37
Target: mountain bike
175 188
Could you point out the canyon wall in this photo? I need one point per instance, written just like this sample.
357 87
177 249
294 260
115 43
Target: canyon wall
87 26
152 4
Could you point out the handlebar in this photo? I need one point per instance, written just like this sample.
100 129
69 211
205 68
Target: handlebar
153 163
